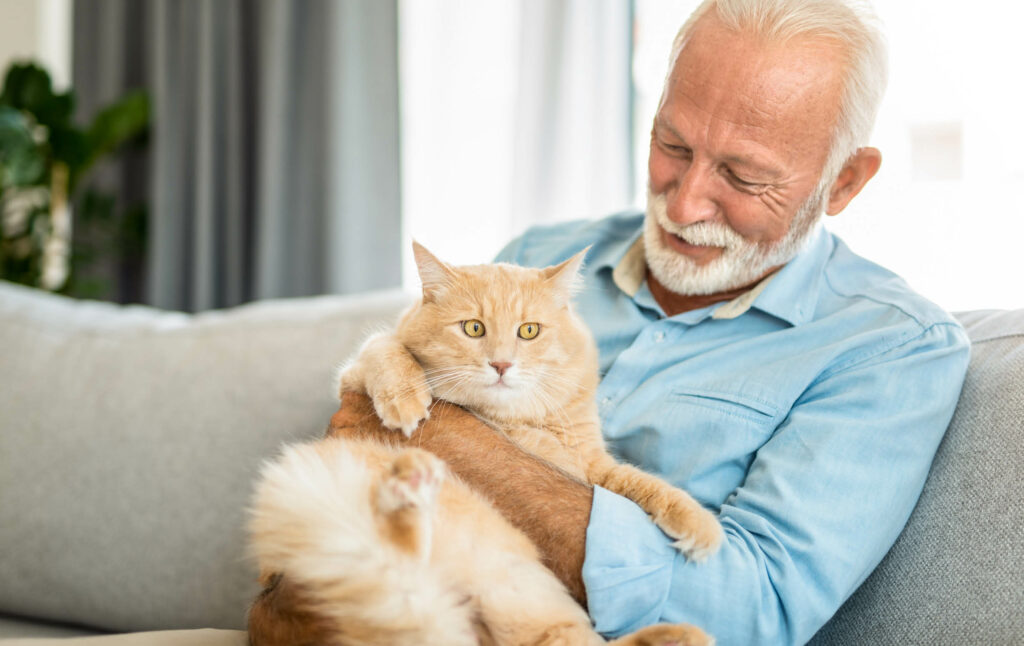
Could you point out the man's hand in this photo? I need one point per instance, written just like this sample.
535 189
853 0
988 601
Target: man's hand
549 506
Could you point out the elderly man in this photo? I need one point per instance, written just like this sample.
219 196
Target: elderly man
747 355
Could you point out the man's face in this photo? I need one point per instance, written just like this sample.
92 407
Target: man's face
737 151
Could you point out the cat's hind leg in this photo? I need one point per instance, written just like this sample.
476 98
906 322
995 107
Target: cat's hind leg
405 499
666 635
316 520
522 602
528 605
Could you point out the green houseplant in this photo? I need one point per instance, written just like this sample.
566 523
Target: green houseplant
45 160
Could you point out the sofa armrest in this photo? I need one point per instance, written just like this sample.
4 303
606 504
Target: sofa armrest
129 441
954 575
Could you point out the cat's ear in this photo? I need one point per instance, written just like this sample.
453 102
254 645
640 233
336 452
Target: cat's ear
434 274
565 278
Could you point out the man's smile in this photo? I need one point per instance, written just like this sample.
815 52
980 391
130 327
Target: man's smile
700 254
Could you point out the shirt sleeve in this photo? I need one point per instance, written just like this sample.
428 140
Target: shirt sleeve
823 501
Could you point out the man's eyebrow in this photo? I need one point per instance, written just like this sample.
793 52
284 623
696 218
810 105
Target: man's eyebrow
662 124
763 168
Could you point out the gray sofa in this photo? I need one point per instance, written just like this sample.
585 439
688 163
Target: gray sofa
130 437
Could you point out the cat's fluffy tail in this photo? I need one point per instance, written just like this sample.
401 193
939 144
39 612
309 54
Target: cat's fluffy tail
312 520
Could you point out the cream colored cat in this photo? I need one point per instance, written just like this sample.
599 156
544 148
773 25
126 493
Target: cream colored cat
386 546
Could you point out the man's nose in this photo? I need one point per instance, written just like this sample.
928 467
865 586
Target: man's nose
693 200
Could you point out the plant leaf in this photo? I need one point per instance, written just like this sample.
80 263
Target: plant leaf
22 161
120 122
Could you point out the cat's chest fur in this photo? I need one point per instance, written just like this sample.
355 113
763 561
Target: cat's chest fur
554 443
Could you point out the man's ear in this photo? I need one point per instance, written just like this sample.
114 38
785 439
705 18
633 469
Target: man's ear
855 174
434 274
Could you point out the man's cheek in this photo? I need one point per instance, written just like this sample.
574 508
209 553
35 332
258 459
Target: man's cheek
661 170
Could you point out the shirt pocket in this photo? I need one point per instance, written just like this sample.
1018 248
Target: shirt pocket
723 432
758 412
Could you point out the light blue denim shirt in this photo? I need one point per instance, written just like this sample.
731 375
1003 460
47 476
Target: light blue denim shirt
806 413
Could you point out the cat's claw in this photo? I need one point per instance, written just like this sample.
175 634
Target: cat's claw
697 531
401 406
404 412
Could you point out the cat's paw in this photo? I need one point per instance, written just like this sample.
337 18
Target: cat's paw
697 531
414 479
667 635
403 408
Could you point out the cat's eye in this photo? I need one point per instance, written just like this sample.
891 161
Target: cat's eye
473 328
529 330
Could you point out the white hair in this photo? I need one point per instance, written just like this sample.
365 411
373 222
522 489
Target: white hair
852 23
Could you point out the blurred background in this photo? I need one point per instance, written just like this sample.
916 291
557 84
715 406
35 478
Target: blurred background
196 154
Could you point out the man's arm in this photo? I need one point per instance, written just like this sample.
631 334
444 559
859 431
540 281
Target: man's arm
549 506
822 502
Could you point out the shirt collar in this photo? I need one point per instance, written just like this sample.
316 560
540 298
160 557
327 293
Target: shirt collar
630 269
790 294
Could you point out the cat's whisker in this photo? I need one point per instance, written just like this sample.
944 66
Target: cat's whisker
448 369
546 380
450 383
450 375
553 374
457 384
552 405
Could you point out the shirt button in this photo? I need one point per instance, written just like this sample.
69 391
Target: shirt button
605 401
659 337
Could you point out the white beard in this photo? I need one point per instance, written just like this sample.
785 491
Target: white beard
741 263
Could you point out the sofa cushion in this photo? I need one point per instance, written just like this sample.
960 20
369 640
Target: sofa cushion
130 439
955 574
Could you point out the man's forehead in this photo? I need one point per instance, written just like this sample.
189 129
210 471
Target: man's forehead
766 70
787 90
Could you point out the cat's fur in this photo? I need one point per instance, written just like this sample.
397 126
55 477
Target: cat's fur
384 547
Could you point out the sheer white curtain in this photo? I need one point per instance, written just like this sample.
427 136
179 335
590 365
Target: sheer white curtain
513 114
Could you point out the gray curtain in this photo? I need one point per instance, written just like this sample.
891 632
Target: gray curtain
273 163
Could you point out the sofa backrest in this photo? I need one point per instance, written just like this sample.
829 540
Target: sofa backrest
956 573
130 439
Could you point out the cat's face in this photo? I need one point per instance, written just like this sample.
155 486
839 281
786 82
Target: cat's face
501 340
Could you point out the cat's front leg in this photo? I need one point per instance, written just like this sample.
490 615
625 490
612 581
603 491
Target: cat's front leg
697 531
386 371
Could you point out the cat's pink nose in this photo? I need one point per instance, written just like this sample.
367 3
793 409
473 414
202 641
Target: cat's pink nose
501 366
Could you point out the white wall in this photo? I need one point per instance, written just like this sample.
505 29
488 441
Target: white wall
946 210
38 30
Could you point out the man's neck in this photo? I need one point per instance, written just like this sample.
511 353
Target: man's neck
672 303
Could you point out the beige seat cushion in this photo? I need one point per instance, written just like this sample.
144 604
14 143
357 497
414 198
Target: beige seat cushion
204 637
